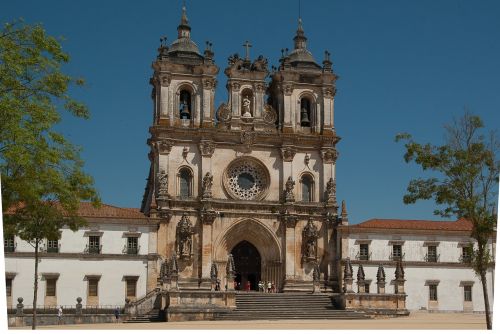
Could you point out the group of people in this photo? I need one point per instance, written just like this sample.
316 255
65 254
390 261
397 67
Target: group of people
267 287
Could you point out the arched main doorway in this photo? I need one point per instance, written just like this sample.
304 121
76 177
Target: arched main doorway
248 264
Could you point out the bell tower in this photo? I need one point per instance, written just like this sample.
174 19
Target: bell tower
184 81
303 91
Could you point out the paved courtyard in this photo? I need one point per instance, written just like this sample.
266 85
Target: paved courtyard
417 320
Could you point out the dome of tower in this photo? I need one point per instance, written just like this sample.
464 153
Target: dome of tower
184 44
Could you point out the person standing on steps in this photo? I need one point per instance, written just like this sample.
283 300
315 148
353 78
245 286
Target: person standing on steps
269 287
117 314
247 286
60 315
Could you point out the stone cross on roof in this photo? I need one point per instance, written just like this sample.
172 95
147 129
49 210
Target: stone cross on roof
247 46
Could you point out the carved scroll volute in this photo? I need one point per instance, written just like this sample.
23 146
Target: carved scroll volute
163 146
329 155
207 148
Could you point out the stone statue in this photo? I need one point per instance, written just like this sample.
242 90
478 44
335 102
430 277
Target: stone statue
246 107
185 233
289 196
224 113
207 185
310 236
330 192
162 177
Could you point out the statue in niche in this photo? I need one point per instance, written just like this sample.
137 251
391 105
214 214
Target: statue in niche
289 196
310 236
207 185
162 183
330 191
246 107
185 233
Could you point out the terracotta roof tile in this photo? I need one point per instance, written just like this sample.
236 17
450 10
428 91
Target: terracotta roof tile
459 225
86 209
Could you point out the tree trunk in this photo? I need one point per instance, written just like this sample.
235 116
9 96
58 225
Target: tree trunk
35 286
486 299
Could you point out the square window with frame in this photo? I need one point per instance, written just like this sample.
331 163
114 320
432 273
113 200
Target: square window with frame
8 244
94 244
433 296
466 254
93 287
397 252
364 252
131 287
132 245
50 287
8 286
467 293
431 253
53 246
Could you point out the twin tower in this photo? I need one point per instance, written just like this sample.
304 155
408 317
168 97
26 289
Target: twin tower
253 177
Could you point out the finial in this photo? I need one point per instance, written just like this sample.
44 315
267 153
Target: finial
184 19
361 273
344 210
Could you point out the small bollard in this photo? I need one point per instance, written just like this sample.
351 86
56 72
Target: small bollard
78 307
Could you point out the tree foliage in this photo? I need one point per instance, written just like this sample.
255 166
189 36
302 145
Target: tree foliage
42 173
465 182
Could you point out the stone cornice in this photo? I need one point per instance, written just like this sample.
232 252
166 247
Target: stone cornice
222 137
346 231
82 256
408 264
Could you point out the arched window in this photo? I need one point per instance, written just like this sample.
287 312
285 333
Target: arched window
305 112
307 188
185 183
185 104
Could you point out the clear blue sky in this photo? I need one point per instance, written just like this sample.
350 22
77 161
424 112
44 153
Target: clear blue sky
404 66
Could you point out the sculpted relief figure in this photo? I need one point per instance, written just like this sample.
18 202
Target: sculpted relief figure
162 177
330 191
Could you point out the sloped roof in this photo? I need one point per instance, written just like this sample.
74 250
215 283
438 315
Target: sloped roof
459 225
86 209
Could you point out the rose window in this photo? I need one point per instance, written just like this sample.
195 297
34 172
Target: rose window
246 179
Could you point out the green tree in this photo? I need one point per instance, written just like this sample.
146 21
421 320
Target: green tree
42 174
465 184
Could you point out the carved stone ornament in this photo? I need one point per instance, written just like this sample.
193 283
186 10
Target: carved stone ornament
230 268
246 179
289 220
331 192
184 238
288 89
163 146
209 83
208 216
162 179
259 64
224 113
316 273
269 116
235 86
289 185
287 153
310 236
329 155
348 272
247 138
165 80
328 92
185 151
206 185
213 272
207 148
307 158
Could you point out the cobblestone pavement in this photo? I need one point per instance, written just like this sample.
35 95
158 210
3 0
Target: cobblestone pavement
416 320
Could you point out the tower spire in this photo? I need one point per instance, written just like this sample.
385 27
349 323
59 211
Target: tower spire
300 38
184 30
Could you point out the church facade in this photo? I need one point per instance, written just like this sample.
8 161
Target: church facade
253 177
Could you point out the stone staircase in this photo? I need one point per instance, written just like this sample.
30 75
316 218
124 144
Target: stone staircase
151 316
275 306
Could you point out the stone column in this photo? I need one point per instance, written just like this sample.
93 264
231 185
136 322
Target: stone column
208 92
290 222
234 91
163 90
288 109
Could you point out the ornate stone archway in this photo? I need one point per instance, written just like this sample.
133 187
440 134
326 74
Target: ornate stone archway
262 238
